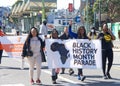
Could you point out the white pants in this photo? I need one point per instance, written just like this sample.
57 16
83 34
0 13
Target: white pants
35 60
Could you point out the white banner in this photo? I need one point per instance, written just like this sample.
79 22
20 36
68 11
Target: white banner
73 53
13 45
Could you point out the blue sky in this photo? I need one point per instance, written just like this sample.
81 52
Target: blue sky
60 3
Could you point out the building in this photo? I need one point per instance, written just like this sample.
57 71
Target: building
4 14
28 13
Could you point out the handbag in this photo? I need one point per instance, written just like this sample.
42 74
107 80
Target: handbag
29 53
43 55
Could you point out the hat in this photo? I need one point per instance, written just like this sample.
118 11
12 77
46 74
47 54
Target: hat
44 21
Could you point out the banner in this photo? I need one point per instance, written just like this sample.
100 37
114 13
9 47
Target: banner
73 53
13 45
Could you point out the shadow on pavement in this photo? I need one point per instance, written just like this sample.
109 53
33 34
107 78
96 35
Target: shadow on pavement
44 67
116 64
14 68
100 83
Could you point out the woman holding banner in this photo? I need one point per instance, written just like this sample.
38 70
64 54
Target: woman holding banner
65 36
1 49
54 35
106 37
32 50
81 34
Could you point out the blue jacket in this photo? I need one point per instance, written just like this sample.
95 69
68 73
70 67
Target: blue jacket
72 34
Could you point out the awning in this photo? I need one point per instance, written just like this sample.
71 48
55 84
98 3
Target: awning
36 5
15 8
18 7
28 6
21 7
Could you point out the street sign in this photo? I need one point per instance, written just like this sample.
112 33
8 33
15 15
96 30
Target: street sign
77 19
70 7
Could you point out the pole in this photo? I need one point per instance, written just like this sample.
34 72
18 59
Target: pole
66 16
99 14
87 15
73 16
43 10
94 18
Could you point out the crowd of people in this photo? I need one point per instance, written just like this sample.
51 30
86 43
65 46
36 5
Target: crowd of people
34 44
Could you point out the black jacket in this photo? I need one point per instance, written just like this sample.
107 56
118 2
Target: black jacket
26 47
64 36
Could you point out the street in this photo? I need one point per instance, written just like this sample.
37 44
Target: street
11 74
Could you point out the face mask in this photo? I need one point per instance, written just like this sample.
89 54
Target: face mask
92 30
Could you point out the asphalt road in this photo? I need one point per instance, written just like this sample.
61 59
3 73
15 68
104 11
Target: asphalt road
12 75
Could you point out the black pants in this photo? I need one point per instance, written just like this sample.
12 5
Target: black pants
80 72
63 70
1 51
107 54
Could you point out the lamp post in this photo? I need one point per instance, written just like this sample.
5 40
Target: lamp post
43 10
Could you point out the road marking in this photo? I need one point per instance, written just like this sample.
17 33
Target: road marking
48 72
65 79
13 85
118 67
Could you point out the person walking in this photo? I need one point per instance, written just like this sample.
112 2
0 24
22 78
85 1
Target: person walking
32 50
43 29
65 36
106 37
1 48
55 71
81 34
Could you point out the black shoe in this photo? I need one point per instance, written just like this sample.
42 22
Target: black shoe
109 76
54 82
105 77
83 78
71 72
62 73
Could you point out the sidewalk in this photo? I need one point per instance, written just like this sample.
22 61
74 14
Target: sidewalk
116 45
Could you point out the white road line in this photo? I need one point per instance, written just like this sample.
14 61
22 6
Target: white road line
65 79
13 85
117 68
48 72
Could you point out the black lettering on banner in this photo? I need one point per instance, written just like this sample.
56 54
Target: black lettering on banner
82 62
84 54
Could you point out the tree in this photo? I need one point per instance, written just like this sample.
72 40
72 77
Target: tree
110 7
89 14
